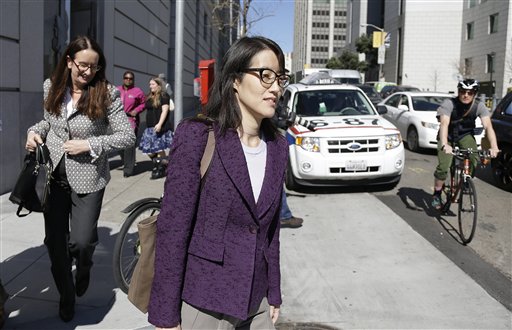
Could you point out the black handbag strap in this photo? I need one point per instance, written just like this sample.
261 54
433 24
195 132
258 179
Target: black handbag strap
19 214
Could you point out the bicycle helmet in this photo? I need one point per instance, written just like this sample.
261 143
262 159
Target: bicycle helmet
469 84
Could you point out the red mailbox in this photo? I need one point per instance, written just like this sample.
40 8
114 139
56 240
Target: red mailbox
207 74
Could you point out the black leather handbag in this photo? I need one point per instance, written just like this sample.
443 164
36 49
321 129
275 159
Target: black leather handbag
33 185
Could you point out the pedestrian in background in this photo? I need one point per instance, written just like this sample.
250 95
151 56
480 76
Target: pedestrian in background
217 247
168 88
287 218
83 123
157 136
133 102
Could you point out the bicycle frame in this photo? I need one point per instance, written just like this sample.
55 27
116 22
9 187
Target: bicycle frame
460 170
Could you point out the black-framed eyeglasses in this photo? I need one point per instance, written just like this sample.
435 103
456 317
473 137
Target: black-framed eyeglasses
84 66
268 76
128 78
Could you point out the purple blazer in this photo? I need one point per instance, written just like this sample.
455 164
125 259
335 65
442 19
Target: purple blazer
228 261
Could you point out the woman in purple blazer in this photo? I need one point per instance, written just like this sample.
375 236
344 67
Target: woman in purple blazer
217 252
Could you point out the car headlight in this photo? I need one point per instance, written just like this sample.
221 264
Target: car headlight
430 125
309 143
392 141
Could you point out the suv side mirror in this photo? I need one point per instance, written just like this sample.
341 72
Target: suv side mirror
382 109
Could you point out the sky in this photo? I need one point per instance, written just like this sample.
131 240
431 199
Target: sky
277 23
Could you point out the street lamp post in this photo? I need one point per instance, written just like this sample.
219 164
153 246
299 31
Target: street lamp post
381 47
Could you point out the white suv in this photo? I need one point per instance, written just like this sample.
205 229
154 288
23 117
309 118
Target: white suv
347 142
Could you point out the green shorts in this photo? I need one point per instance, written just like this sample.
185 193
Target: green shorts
445 160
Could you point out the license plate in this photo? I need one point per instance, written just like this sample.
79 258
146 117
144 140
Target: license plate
355 165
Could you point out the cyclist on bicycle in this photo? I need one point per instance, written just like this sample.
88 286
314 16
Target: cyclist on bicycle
457 124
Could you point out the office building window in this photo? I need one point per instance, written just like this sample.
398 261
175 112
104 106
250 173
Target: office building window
470 30
472 3
490 63
493 23
468 65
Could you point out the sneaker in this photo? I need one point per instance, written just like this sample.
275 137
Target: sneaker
292 222
436 202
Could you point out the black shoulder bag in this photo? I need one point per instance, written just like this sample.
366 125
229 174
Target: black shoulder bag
33 185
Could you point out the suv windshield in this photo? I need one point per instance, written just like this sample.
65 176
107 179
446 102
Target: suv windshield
332 103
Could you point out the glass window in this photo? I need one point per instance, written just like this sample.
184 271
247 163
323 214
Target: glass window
472 3
470 30
428 103
490 63
332 103
393 100
404 100
493 23
508 111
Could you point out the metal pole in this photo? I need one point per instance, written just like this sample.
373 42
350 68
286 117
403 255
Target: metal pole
178 62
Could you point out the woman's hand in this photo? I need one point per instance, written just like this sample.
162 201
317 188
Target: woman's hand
274 313
75 147
158 127
33 139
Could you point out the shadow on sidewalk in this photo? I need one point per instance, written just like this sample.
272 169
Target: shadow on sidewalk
34 299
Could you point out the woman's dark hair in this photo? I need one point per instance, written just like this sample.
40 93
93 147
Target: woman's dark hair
222 103
96 97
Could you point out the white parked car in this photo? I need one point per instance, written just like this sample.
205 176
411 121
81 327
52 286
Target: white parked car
414 113
350 143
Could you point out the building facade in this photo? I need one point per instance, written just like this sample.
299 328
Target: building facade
320 30
425 43
486 44
433 45
135 35
364 17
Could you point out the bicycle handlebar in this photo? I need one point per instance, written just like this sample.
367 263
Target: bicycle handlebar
460 153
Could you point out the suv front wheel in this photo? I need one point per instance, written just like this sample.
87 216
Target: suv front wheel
290 182
502 169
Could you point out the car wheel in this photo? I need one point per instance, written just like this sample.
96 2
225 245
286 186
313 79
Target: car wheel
502 169
289 181
413 143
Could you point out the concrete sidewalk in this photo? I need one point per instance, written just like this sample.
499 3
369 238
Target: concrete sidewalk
354 264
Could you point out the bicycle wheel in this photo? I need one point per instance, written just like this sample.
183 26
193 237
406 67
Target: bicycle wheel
467 211
127 248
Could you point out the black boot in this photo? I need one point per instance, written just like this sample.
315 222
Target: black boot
159 170
154 171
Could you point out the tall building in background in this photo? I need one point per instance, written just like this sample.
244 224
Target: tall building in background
135 35
364 17
486 45
320 30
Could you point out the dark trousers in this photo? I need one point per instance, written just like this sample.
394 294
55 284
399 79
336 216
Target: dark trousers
128 157
71 230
